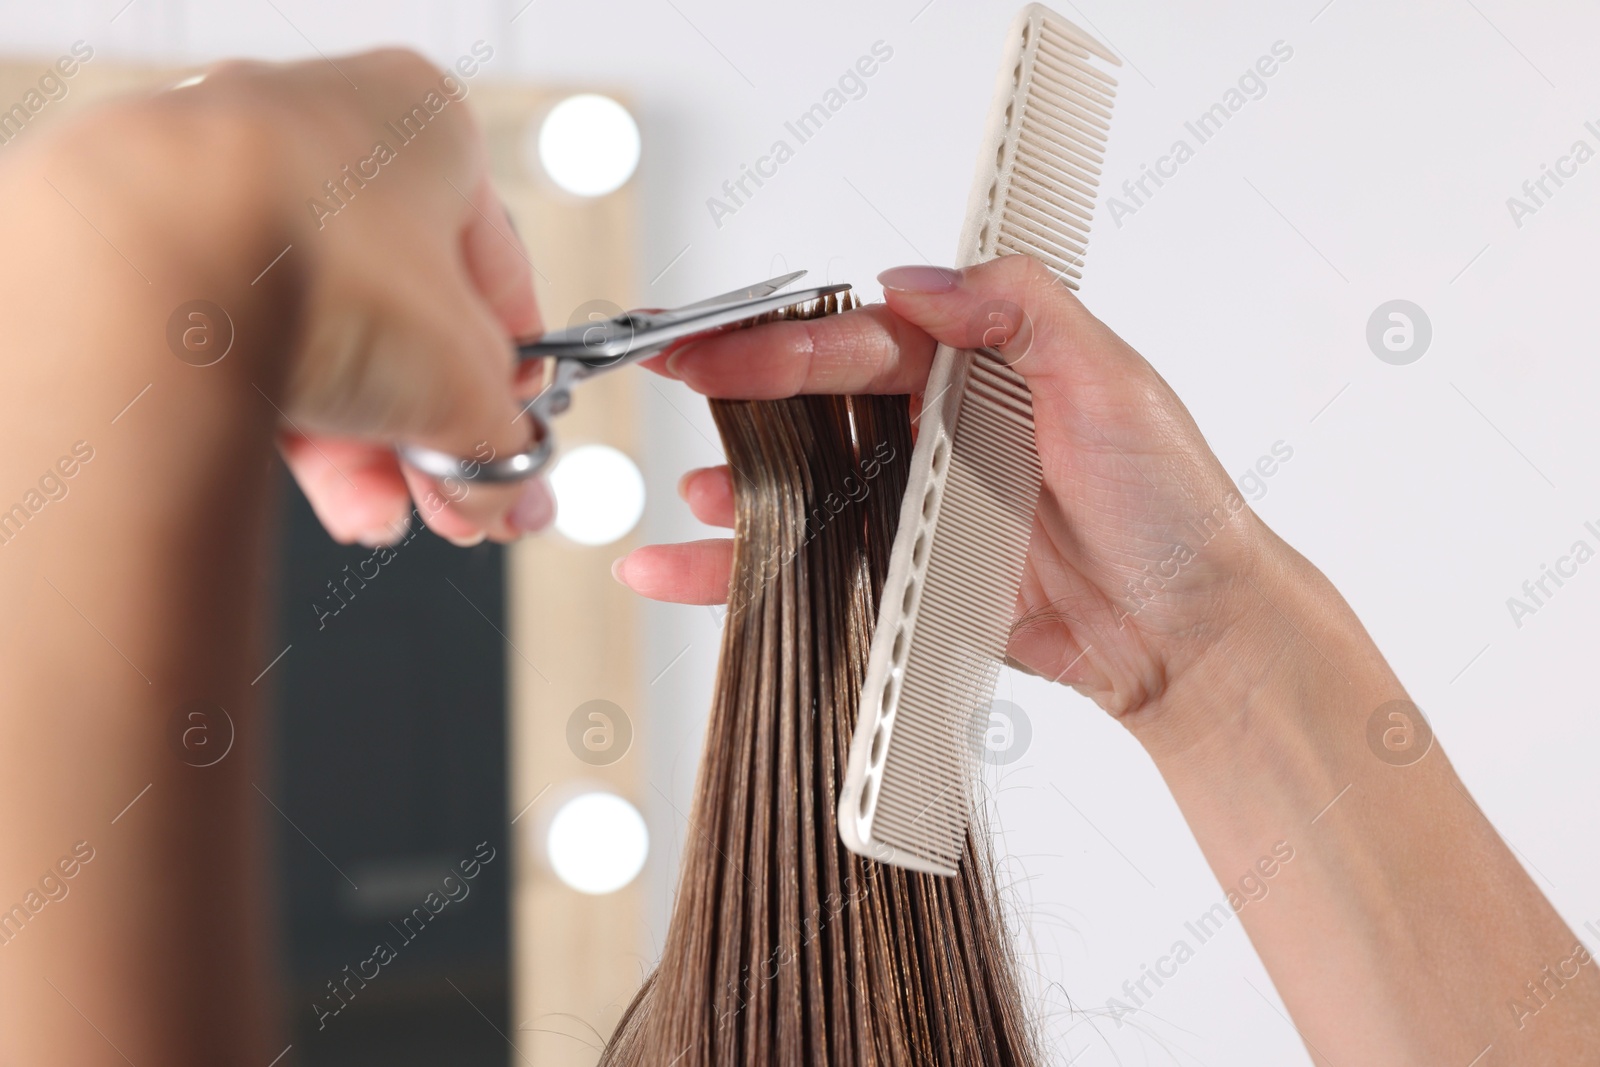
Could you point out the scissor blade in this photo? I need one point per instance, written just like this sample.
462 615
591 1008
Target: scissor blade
753 292
663 334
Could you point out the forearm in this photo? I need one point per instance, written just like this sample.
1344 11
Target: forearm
1402 930
133 586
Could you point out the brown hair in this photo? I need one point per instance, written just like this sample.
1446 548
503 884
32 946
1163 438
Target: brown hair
784 948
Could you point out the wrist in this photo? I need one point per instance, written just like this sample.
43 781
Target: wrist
1283 687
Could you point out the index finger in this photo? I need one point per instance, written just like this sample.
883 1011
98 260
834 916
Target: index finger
868 350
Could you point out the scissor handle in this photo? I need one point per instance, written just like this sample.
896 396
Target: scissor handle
587 349
513 468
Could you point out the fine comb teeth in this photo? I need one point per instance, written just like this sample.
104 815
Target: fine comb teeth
968 513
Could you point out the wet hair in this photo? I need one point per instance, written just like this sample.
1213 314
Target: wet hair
783 947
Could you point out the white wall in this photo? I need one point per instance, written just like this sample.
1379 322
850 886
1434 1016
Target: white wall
1377 166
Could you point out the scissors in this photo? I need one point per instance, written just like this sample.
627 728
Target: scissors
591 348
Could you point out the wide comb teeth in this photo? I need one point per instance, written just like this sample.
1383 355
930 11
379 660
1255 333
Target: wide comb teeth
1047 188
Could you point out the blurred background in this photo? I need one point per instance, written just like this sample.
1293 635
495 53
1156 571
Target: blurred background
1395 164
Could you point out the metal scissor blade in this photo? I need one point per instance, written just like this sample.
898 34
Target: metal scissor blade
753 292
638 335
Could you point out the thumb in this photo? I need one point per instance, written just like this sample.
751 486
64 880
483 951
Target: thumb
1013 304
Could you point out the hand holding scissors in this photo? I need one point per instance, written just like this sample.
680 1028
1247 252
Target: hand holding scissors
587 349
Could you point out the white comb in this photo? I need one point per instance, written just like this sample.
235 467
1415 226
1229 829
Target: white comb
968 512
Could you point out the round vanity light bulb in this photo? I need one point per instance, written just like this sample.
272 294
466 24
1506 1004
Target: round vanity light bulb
599 494
597 843
589 145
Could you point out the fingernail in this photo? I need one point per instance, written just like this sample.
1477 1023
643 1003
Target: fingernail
617 569
388 534
919 279
683 483
534 509
189 82
674 363
468 542
512 224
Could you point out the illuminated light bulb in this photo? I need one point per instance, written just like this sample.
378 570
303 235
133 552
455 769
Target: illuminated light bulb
597 843
599 494
588 144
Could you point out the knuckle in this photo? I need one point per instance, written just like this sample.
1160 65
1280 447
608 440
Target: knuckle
1037 288
228 71
1033 271
404 62
1015 272
810 364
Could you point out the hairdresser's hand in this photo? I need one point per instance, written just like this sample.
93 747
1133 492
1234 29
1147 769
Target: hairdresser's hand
409 282
139 440
1252 685
1142 548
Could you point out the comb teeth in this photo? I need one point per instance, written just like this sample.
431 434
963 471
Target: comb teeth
974 481
1052 152
971 578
